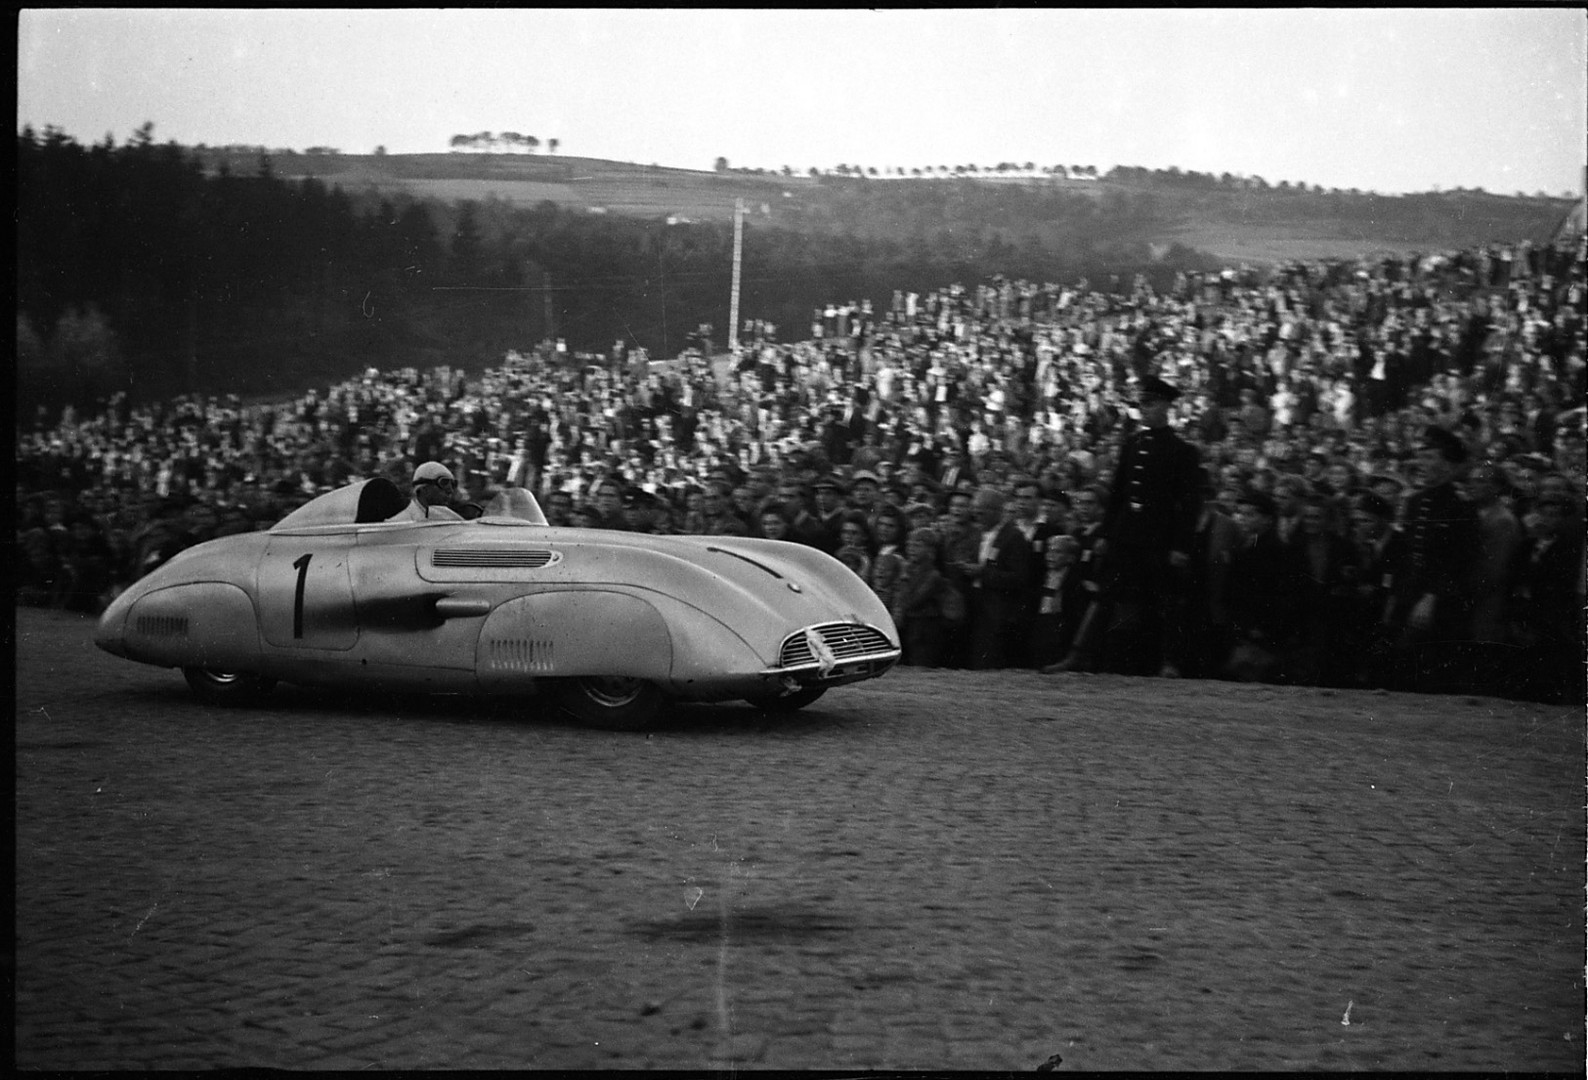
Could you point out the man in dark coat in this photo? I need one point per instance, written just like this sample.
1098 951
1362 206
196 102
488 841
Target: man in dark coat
1377 552
1430 615
1205 631
1087 525
1548 604
1264 594
830 511
1001 583
1148 528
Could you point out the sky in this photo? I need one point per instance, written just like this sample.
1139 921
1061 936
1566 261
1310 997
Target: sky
1382 99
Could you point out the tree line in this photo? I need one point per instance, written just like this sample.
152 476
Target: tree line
506 140
139 271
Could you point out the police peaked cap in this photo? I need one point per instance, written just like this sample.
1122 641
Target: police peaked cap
1152 386
1449 445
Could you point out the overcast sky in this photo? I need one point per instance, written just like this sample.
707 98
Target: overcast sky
1391 100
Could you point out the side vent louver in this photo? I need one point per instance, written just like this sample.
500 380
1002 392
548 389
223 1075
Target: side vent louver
163 626
494 558
519 654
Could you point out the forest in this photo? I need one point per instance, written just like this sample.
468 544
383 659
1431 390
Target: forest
145 270
139 271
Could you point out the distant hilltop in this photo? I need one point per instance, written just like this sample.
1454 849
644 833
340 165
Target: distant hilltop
1235 218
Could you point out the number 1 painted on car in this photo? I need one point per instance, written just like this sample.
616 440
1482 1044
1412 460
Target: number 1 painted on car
302 566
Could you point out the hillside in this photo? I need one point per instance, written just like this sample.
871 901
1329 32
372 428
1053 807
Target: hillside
153 268
1230 223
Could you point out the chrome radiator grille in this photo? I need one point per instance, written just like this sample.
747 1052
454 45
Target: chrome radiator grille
846 641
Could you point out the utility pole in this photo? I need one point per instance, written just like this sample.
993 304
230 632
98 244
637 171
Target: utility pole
738 254
545 287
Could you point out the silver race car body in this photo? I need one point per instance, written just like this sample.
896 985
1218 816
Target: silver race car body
613 623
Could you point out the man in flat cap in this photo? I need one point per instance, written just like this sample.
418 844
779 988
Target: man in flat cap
830 511
1430 611
1149 525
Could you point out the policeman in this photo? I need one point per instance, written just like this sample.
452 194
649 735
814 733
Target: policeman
1149 526
1431 606
433 488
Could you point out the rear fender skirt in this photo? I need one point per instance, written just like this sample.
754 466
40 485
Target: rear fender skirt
574 632
204 624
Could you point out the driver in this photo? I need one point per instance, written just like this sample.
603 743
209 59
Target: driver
433 488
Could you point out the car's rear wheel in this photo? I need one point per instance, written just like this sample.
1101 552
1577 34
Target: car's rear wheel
610 702
215 687
788 702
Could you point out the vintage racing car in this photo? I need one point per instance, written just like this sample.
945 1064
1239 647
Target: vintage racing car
609 625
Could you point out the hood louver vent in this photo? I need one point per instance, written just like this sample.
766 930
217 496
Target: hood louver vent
494 558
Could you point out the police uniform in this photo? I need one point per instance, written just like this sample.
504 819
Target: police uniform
1440 530
1152 510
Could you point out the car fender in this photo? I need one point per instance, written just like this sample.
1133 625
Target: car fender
573 632
209 624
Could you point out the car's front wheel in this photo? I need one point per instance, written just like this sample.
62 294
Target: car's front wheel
788 702
610 702
215 687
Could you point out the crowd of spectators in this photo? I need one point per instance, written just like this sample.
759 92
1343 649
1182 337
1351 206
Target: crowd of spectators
900 438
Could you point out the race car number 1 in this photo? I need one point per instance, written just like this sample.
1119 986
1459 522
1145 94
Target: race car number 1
302 566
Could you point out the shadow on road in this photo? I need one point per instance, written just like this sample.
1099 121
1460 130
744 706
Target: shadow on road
683 719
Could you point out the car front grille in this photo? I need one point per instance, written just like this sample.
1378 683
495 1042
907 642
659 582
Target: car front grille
494 558
846 641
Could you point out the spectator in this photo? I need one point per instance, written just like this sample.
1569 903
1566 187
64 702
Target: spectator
854 544
1036 386
804 527
775 523
39 566
694 520
887 563
609 496
86 562
926 607
1087 522
1000 579
1499 542
638 511
831 512
1206 632
1290 495
718 518
1322 555
1548 601
1061 602
1265 581
1368 581
558 508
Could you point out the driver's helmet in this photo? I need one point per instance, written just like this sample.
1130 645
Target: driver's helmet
431 472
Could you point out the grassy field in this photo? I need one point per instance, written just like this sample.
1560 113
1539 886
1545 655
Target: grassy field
1232 225
584 183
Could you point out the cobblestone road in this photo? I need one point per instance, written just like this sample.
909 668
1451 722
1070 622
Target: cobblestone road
934 870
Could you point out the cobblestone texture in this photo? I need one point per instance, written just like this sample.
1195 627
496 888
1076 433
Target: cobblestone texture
934 870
